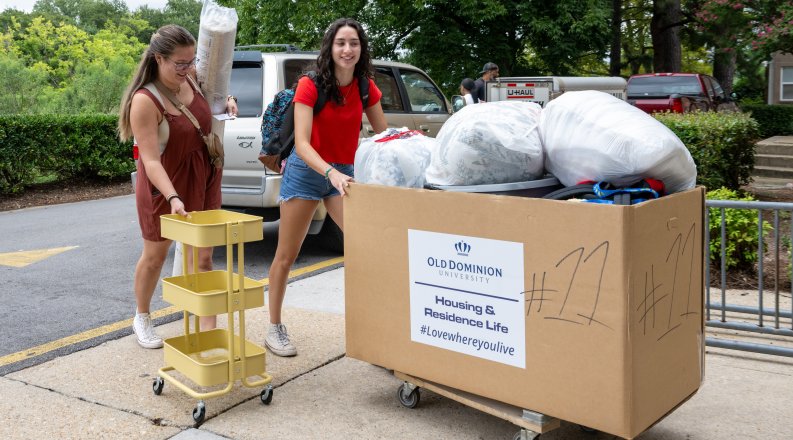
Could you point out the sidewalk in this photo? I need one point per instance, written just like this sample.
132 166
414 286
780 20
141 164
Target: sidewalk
105 392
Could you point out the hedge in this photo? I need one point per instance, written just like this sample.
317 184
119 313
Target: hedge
721 144
60 147
774 120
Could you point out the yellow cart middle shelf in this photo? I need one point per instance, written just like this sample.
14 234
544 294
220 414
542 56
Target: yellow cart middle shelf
218 356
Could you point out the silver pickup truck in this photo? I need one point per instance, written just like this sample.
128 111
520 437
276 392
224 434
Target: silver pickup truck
410 99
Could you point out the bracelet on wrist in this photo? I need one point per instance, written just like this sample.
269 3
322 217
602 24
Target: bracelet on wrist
327 173
171 197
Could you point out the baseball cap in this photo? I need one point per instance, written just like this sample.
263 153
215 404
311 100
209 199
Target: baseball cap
488 67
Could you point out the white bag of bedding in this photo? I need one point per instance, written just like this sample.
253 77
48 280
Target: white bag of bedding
217 33
592 135
489 143
394 158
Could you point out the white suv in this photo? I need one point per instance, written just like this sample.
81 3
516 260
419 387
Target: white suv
410 99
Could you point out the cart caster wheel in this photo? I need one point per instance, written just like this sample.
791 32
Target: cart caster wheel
267 395
199 412
157 385
408 399
525 434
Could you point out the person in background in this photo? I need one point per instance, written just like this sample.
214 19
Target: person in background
489 73
320 166
466 86
174 172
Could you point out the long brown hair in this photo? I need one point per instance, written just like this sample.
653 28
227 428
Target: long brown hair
163 42
325 66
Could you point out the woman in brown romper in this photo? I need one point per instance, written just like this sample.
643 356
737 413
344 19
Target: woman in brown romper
174 172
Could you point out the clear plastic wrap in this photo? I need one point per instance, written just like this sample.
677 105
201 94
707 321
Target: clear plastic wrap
215 53
394 158
592 135
487 143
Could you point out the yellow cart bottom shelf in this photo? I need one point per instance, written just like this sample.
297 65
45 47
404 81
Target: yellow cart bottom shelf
204 358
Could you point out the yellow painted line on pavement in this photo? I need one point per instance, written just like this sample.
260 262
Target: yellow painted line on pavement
80 337
313 268
109 328
25 258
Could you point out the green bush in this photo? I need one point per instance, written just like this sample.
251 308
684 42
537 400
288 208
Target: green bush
62 146
722 145
741 232
773 120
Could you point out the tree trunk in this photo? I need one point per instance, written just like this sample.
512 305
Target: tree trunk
665 29
615 62
724 68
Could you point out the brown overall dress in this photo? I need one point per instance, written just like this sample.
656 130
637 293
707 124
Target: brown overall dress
186 161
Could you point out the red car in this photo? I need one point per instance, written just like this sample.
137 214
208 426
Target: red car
678 93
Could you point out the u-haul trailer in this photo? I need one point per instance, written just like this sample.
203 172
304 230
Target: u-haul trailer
541 89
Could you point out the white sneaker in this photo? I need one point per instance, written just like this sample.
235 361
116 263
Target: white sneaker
277 341
144 330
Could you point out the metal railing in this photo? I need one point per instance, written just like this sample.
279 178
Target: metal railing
751 316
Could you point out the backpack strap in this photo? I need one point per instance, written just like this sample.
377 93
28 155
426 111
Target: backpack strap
363 87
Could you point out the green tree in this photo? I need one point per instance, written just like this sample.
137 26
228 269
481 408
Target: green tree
665 29
89 15
449 39
21 86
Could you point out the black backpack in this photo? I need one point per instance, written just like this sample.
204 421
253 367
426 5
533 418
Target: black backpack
278 122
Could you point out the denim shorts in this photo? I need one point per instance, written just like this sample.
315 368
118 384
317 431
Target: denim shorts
301 182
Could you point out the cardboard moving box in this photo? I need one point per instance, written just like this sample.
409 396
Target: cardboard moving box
589 313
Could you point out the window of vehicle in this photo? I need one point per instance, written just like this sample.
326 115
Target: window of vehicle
786 85
710 86
385 81
424 96
246 85
660 86
294 68
718 90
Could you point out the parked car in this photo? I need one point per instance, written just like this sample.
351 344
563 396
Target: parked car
410 99
678 93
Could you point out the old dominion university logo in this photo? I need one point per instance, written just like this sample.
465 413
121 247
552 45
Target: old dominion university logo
462 248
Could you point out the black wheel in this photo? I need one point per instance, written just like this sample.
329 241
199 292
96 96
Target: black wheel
267 395
157 385
199 412
530 435
408 399
587 429
330 236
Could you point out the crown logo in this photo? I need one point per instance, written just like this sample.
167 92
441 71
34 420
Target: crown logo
462 248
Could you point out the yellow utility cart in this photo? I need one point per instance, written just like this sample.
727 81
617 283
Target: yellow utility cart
213 357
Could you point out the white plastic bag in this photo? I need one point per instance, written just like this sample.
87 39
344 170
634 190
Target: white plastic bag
215 53
488 143
591 135
397 162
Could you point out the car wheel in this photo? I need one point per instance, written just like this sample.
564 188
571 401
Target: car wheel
330 236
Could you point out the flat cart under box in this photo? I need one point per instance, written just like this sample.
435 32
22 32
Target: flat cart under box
218 356
582 312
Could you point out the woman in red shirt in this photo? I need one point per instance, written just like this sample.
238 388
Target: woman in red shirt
320 166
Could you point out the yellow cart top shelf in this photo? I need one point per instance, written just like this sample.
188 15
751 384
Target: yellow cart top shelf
208 228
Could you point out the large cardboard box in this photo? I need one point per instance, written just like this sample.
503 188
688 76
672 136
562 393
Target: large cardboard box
588 313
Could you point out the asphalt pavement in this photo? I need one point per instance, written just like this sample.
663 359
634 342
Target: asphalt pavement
106 392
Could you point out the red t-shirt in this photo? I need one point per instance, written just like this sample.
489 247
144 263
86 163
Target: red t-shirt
336 128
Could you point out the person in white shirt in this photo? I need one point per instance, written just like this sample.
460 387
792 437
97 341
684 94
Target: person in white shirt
465 89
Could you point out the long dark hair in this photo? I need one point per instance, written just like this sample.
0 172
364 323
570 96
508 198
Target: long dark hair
163 42
325 66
